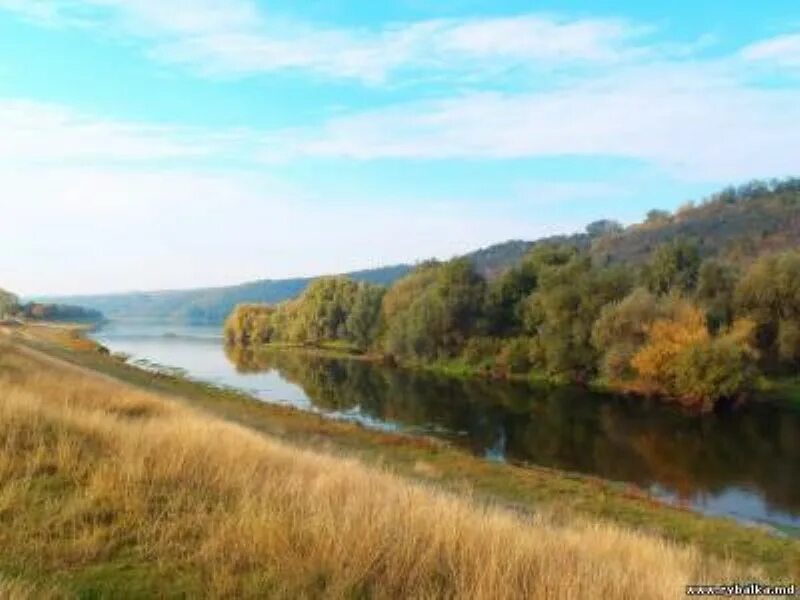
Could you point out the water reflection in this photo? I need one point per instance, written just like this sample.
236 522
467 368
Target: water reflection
745 463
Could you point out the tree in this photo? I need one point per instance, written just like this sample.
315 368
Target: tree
506 294
722 367
716 284
250 323
330 309
9 304
362 323
561 312
656 216
667 338
324 307
769 293
673 267
604 227
682 360
788 341
621 330
434 311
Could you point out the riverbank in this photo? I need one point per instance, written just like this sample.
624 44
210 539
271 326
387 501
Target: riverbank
565 496
783 391
110 490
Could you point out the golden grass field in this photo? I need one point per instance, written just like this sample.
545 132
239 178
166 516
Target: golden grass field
113 491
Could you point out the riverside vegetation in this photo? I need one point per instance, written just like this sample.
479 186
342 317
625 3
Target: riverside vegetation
12 308
685 322
111 490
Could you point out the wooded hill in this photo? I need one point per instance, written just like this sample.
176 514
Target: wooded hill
736 224
692 306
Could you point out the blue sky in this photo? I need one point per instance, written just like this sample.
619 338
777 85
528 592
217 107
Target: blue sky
149 144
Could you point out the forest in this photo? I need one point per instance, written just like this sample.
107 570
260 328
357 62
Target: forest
696 320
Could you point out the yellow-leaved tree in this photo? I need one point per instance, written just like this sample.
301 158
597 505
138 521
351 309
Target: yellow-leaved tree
681 359
667 338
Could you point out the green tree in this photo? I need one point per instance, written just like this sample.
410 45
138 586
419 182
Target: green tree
434 311
560 314
674 266
250 323
716 284
769 293
657 216
9 304
720 367
324 307
362 323
604 227
507 293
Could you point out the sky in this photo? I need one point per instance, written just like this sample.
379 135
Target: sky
147 144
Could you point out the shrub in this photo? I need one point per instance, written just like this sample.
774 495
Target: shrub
479 350
514 356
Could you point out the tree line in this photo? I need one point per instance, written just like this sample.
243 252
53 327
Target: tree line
678 327
12 308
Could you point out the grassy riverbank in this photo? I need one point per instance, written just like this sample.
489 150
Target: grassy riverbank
784 390
449 368
779 390
566 500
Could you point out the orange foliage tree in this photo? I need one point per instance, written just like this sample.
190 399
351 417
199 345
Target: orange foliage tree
682 360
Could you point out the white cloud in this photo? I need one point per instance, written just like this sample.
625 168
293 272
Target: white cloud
236 37
531 37
440 45
41 11
697 121
37 131
782 51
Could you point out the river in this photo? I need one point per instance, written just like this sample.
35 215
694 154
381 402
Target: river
743 464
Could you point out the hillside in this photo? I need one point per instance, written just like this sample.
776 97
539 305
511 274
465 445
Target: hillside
494 260
737 223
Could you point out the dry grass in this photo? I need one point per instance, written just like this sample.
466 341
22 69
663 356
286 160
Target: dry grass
17 589
14 590
91 470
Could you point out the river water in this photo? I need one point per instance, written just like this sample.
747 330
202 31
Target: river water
743 464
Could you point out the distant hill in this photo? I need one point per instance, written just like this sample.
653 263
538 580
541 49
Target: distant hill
211 305
737 224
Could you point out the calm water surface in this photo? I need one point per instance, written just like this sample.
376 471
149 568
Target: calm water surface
744 464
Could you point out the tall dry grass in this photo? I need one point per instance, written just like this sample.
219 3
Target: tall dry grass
90 469
14 589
